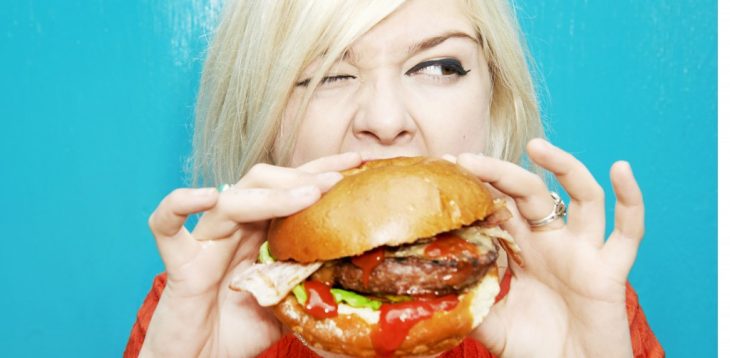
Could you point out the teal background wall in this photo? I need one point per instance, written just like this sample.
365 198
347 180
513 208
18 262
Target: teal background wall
96 101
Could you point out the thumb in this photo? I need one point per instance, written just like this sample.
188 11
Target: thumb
492 331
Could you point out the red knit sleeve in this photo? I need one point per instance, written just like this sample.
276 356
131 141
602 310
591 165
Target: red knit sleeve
139 330
288 347
643 341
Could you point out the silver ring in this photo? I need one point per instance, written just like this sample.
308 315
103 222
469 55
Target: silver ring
559 212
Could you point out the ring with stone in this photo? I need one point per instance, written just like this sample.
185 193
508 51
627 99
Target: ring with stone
559 212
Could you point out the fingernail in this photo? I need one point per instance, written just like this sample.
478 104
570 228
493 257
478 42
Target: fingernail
223 187
628 166
329 178
305 191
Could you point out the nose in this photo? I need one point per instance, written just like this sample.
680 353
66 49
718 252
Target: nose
383 117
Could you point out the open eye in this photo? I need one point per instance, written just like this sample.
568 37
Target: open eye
327 80
442 67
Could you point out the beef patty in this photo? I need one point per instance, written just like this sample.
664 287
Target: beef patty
413 275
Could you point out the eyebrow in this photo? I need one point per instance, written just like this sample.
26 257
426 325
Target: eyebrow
437 40
424 44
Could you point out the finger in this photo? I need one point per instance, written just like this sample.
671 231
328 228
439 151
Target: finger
572 174
623 243
337 162
629 202
168 220
526 188
275 177
240 206
586 210
169 217
495 193
252 205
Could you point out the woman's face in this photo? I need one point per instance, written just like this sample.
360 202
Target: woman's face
415 84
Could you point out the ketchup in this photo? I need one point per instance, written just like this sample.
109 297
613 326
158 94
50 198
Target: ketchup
396 319
367 262
451 246
320 302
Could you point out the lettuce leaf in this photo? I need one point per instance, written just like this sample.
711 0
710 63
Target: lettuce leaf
355 300
300 294
265 255
350 298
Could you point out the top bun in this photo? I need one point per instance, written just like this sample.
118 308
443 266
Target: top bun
383 202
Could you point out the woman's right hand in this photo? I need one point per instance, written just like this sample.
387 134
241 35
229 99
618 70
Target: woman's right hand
197 314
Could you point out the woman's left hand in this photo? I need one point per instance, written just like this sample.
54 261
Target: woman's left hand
569 297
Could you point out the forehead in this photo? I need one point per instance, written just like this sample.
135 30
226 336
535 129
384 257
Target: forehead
416 24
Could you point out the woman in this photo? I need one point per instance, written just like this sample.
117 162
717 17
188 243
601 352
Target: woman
312 88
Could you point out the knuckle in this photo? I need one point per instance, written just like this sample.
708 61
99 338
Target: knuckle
534 177
572 159
319 161
173 199
232 202
594 188
154 223
536 180
465 157
165 210
259 169
225 203
595 192
599 193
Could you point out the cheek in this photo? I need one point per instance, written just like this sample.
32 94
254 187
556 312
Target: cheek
322 129
453 120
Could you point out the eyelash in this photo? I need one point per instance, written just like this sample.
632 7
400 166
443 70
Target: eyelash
446 64
325 80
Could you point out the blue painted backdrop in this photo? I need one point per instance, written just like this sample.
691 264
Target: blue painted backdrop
96 101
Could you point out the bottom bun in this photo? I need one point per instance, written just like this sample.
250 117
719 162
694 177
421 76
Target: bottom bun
349 334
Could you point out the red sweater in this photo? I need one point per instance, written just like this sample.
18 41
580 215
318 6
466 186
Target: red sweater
644 342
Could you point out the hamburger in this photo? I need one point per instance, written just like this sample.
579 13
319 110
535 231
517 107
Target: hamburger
398 259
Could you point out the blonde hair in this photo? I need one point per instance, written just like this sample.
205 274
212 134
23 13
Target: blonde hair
261 47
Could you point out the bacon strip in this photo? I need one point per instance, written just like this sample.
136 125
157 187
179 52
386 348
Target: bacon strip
500 215
270 283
